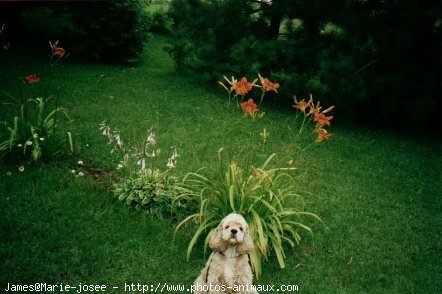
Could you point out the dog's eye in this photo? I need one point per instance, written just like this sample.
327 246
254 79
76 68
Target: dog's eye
227 227
241 228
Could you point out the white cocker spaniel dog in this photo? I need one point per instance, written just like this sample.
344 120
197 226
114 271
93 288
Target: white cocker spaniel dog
227 269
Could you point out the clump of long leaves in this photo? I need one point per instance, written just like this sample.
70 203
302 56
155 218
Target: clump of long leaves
35 131
265 196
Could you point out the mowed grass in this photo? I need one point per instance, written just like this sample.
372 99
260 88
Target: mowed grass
378 194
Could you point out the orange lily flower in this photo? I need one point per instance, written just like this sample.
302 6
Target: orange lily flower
58 51
32 79
243 86
249 107
267 85
317 108
314 108
322 120
301 105
323 135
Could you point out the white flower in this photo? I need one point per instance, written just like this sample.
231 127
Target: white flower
174 154
151 139
19 145
170 163
29 143
21 168
42 139
80 174
80 162
119 166
106 131
35 136
73 171
142 163
118 140
8 173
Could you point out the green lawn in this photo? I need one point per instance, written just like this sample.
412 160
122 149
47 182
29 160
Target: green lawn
377 193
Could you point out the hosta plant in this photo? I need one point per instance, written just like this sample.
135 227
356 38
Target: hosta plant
156 192
147 187
265 196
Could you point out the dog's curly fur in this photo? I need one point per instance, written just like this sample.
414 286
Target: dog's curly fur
227 268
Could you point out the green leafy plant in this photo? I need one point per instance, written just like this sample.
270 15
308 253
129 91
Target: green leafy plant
35 131
156 192
265 196
146 186
179 48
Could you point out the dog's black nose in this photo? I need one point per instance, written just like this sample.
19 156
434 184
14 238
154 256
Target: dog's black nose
234 231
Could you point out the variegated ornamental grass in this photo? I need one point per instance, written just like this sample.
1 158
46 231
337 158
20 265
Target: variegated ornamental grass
265 196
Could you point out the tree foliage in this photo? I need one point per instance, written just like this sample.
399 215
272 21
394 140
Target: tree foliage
112 30
105 30
376 60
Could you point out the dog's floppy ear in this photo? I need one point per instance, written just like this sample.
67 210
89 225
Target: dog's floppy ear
216 241
246 245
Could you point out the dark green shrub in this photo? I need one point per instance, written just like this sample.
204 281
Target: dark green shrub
160 22
180 48
109 30
106 30
213 27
